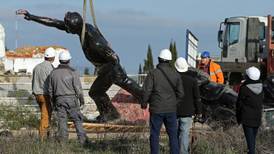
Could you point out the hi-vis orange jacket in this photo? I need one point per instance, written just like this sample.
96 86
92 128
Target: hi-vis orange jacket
215 72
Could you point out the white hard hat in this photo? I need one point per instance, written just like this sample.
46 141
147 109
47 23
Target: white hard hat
64 55
181 64
165 54
253 73
49 52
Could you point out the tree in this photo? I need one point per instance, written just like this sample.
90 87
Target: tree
140 71
148 62
86 71
173 49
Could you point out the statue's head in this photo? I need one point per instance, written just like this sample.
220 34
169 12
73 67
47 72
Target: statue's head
73 22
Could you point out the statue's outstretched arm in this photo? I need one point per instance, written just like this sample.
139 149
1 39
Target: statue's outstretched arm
42 20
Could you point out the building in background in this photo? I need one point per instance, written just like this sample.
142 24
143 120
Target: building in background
24 59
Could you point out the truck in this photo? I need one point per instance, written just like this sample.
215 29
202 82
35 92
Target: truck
248 41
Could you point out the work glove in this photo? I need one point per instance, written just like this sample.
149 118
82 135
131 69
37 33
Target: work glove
82 101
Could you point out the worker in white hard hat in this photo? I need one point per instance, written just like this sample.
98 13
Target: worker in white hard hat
65 90
163 89
189 106
249 106
40 90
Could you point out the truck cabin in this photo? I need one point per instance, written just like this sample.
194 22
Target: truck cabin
244 43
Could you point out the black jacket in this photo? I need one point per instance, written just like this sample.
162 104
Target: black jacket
249 103
191 103
159 93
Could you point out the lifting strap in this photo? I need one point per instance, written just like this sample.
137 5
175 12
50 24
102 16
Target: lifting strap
92 13
84 18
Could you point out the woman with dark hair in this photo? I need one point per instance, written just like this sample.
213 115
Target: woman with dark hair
249 106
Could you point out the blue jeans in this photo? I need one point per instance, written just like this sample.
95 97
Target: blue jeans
183 133
156 121
250 136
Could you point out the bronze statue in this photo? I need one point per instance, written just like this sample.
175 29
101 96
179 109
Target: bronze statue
99 53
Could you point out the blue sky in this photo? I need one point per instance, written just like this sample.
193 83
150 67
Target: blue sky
130 25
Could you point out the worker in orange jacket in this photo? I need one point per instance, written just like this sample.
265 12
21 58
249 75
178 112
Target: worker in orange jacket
211 68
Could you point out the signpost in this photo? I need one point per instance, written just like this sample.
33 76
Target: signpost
191 48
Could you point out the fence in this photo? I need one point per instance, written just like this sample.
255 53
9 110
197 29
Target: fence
15 91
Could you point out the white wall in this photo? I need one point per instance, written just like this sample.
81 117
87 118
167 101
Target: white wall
28 64
8 63
16 64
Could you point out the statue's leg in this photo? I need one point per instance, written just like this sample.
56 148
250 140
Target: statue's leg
121 79
98 94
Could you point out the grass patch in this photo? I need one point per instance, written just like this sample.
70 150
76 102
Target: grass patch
218 142
230 141
29 143
17 117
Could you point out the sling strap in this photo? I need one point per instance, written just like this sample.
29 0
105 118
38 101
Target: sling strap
171 84
84 18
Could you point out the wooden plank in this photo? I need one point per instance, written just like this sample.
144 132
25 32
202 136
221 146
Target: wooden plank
110 128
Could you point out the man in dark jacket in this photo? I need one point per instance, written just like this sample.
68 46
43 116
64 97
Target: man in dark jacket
163 88
190 105
249 106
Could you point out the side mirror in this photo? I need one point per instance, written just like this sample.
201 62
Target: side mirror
220 36
220 39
